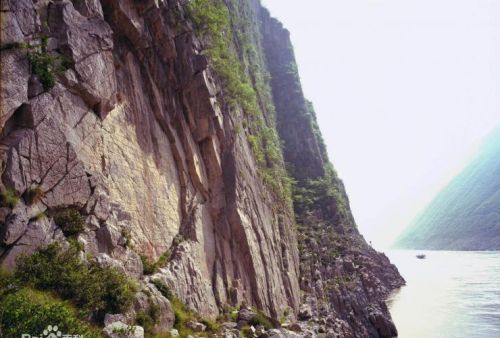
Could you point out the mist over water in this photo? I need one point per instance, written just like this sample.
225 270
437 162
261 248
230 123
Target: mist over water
450 294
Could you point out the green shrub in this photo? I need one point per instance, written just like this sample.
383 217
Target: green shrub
95 289
117 293
69 220
146 321
9 198
163 259
246 332
261 319
6 281
41 66
34 195
46 65
318 194
127 236
182 314
149 318
29 311
150 267
211 325
76 244
163 288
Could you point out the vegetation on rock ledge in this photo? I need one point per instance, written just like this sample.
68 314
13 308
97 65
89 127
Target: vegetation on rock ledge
50 285
96 290
29 311
46 65
244 81
69 220
318 194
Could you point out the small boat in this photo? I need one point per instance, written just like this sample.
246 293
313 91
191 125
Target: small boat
420 256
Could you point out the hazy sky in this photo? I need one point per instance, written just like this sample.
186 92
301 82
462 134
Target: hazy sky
404 90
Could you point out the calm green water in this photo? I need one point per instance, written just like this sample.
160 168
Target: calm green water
450 294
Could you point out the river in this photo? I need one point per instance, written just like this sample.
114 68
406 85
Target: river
449 294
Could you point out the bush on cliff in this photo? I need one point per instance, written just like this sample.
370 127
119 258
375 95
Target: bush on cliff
46 65
150 267
69 220
318 194
211 19
96 290
27 311
261 319
148 319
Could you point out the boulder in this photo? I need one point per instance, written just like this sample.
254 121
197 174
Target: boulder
196 326
166 317
38 233
245 315
108 237
230 325
113 318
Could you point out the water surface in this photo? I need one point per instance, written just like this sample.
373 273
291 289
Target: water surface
450 294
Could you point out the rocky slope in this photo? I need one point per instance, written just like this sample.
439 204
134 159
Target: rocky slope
465 214
161 133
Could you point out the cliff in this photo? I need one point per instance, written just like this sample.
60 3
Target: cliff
464 215
158 126
344 279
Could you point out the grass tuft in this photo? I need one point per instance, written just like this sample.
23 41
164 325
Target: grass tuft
34 195
9 198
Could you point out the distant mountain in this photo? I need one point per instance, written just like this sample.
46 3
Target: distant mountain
465 215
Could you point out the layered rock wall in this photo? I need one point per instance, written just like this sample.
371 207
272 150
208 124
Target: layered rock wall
134 137
113 109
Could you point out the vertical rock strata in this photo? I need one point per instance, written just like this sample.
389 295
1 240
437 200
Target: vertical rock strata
135 133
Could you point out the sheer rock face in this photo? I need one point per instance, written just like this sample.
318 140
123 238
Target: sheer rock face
135 135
